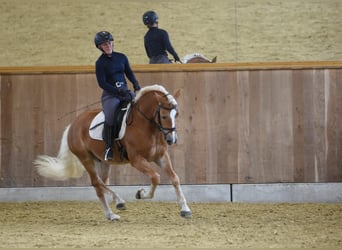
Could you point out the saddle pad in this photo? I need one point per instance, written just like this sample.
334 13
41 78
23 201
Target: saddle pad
96 126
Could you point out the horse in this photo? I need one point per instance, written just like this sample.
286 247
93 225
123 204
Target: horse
150 129
197 58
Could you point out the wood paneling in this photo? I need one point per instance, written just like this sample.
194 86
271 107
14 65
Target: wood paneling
241 123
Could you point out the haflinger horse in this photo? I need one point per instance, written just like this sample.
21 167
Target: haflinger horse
197 58
150 128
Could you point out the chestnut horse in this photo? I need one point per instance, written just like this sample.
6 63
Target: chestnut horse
197 58
151 127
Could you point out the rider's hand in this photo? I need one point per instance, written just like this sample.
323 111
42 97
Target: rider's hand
129 96
136 86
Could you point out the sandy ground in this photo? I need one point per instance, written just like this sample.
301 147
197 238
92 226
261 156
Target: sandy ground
155 224
49 32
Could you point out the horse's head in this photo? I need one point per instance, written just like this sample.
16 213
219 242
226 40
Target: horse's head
167 113
164 113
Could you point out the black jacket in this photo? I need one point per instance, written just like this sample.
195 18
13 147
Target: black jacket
157 42
110 70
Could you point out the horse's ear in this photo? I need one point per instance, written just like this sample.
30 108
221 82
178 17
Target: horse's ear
214 59
177 94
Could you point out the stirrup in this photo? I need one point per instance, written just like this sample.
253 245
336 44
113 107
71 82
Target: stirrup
108 154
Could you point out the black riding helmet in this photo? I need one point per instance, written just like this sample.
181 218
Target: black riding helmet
150 17
102 37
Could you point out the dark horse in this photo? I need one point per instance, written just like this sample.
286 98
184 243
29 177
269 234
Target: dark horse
151 127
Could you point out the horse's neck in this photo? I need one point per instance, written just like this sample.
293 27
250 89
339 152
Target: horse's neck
195 57
145 108
197 60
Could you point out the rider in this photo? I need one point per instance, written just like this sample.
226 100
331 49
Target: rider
111 68
157 40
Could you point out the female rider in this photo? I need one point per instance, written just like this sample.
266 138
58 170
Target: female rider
111 68
157 40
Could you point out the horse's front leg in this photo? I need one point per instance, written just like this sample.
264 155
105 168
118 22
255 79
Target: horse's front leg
145 167
166 164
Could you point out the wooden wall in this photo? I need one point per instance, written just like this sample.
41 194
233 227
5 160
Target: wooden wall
238 123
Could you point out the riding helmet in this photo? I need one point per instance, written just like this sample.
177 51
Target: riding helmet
150 17
102 37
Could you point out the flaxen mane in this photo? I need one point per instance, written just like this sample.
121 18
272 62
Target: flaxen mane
156 87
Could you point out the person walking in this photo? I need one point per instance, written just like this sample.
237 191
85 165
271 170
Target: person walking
156 41
110 69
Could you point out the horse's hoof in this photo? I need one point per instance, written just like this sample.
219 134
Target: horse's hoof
186 214
121 206
114 217
138 195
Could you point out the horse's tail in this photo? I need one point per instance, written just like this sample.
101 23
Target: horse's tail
65 165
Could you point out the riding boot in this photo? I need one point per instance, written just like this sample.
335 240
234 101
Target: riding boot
108 137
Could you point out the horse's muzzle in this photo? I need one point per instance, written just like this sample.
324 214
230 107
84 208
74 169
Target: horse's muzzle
171 138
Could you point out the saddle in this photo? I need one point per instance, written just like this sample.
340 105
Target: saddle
96 125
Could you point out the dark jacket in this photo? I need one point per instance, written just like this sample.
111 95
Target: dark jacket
157 42
110 70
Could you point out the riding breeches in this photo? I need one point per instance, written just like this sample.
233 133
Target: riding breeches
162 59
109 104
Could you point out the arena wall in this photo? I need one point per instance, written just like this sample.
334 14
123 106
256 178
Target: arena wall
239 123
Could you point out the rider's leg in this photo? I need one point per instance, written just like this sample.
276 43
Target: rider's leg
109 104
108 137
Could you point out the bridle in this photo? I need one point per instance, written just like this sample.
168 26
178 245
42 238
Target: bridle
164 130
157 119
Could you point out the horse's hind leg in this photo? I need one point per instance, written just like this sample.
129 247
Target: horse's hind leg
103 171
165 163
100 187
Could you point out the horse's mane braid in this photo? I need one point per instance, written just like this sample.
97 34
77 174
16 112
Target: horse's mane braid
156 87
